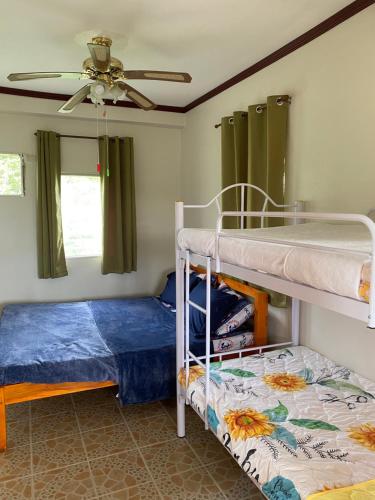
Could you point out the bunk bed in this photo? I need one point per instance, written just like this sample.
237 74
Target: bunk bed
300 425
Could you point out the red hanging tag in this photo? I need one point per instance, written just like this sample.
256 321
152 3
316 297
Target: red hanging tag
98 168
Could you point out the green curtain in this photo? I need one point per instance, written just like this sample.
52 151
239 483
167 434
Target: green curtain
234 154
118 204
253 149
51 255
267 140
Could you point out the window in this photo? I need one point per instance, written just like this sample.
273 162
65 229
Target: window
81 215
11 175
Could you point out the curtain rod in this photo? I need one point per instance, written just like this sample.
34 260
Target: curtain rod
75 136
259 109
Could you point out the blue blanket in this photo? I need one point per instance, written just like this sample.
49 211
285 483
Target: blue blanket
130 341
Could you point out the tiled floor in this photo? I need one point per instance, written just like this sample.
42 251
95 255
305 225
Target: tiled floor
86 446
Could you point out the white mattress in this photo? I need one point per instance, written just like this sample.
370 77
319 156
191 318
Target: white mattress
334 271
292 419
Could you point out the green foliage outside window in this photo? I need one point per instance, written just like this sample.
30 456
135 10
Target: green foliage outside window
11 174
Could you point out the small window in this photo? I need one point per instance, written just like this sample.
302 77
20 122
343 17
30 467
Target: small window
11 175
81 215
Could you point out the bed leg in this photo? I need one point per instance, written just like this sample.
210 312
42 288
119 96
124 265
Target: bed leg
3 423
180 417
296 307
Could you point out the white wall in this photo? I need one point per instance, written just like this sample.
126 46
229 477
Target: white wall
331 153
157 177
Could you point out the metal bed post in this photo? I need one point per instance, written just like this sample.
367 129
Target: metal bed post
187 319
296 303
208 336
179 224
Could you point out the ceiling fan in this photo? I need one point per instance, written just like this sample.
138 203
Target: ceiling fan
108 75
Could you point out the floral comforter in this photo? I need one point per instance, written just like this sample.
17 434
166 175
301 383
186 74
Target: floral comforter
296 422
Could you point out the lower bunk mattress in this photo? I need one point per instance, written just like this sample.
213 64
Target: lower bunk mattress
296 422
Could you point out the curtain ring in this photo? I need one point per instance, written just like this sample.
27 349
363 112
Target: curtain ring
230 121
259 109
280 100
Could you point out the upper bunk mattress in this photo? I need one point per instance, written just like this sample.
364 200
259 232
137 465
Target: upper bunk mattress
343 273
296 422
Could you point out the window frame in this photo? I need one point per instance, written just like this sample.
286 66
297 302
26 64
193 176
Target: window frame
23 187
89 256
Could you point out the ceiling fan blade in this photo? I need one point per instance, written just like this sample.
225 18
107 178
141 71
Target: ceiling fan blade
76 99
101 56
135 96
17 77
168 76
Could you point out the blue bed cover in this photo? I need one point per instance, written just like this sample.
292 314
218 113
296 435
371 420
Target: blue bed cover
130 341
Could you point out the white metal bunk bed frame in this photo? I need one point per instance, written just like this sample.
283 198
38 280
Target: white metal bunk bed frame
350 307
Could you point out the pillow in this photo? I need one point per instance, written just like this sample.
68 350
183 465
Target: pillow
168 295
221 304
234 343
237 317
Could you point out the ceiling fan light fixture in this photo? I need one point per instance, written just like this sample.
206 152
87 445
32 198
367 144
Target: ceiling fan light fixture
97 92
116 93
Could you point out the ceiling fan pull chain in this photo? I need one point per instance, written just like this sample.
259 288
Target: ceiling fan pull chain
98 167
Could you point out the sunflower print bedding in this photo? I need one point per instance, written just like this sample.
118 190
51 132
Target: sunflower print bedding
296 422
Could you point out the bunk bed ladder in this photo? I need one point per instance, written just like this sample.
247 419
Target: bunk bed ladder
189 356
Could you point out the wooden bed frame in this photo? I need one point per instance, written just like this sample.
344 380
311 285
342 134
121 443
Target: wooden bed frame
18 393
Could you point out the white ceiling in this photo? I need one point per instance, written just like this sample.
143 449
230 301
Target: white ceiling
213 40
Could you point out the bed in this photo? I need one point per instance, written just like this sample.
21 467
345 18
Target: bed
57 348
295 421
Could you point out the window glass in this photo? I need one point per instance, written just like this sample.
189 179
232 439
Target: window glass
81 215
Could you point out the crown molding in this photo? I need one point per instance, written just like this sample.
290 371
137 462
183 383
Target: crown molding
331 22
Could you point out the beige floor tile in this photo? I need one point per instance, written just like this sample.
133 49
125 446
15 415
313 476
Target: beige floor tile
207 446
97 397
107 441
70 483
169 458
57 453
63 424
51 406
152 430
18 411
193 485
18 432
146 491
101 416
16 489
119 472
233 481
136 412
15 462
